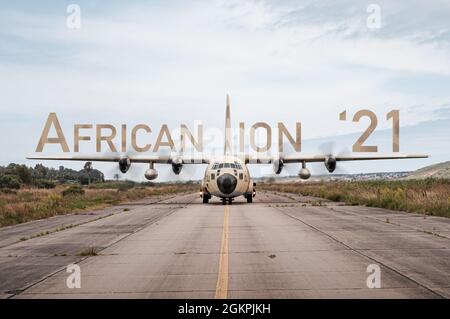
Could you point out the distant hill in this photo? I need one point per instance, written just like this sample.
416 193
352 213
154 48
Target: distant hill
441 170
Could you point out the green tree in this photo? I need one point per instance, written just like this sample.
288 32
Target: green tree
21 171
40 171
9 181
24 174
88 169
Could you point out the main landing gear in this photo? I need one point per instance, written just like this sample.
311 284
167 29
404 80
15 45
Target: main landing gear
205 196
249 196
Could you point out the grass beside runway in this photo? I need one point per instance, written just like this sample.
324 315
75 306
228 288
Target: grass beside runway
429 196
29 204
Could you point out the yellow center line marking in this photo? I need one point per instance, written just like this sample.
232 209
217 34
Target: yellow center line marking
222 278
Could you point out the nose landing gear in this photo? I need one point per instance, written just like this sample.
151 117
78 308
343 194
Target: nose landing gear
225 200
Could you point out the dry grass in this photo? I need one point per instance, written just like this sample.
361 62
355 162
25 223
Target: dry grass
91 251
31 204
429 196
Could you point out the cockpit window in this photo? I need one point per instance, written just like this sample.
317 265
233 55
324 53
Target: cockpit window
234 165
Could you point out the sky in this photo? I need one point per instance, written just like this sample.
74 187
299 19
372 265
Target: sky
173 62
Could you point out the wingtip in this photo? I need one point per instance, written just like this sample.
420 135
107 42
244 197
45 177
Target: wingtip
421 156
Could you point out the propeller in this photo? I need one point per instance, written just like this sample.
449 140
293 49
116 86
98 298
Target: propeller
188 171
134 173
290 169
333 150
327 148
268 170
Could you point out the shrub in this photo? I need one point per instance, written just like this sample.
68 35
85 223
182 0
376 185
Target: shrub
50 203
8 191
45 184
73 190
334 197
123 188
9 181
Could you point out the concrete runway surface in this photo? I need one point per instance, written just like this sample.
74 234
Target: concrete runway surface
281 246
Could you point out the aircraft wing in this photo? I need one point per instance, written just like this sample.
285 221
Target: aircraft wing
294 158
158 159
167 159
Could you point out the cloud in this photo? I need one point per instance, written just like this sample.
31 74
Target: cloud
417 21
443 111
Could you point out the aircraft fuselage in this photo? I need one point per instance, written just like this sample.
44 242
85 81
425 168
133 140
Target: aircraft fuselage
227 177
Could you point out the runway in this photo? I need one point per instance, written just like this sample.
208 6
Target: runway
280 246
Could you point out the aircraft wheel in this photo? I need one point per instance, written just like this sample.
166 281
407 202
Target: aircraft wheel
224 201
230 201
205 199
249 199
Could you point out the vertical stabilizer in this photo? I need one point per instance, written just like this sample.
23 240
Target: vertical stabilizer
227 148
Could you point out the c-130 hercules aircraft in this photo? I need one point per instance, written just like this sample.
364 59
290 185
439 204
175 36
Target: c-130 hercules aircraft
227 176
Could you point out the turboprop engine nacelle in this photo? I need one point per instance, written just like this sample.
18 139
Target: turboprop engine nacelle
330 164
278 165
177 165
304 173
124 164
151 174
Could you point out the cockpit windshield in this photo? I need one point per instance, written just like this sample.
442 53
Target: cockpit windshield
234 165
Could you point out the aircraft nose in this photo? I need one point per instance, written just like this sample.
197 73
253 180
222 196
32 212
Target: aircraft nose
226 183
